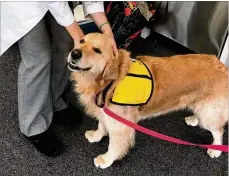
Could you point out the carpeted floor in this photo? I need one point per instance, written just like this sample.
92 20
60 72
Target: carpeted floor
149 157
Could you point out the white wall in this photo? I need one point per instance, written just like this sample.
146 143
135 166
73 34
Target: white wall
224 55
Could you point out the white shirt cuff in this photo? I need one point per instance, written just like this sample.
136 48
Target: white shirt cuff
92 7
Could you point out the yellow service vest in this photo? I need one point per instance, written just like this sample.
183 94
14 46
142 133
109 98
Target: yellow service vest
136 88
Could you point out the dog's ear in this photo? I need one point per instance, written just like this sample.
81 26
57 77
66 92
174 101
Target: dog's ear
117 65
111 70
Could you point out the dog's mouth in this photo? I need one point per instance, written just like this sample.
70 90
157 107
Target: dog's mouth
73 67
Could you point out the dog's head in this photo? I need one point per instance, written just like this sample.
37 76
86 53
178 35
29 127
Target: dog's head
94 57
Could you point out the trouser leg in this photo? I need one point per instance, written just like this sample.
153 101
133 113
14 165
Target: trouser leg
62 44
34 81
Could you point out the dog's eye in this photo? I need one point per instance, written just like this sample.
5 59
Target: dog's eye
82 41
97 50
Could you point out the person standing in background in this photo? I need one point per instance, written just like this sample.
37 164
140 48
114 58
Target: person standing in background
44 40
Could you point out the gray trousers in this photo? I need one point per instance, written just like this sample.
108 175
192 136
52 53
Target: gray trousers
42 75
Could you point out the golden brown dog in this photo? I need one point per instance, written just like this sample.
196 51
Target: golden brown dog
196 81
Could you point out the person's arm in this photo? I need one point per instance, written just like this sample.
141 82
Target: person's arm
101 21
64 16
96 11
76 33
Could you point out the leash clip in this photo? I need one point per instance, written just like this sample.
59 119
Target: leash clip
134 60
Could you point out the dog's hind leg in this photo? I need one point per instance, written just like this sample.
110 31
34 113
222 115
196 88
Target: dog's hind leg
96 135
211 118
217 140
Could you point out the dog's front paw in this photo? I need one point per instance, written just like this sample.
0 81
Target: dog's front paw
103 161
214 153
93 136
191 120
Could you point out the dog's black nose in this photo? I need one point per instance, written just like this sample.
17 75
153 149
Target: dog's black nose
76 54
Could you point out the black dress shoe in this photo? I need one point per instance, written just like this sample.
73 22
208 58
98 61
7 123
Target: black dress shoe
47 143
68 116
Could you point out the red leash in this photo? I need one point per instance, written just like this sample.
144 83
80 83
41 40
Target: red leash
223 148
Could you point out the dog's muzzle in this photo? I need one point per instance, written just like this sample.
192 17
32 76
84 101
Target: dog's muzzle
75 56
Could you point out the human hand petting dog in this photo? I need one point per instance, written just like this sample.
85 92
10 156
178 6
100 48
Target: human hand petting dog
101 21
113 43
76 33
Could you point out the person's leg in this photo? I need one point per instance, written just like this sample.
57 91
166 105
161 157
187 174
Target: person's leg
62 44
34 89
34 93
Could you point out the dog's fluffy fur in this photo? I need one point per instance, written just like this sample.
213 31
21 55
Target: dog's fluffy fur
196 81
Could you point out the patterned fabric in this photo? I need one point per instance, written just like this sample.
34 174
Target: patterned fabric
128 18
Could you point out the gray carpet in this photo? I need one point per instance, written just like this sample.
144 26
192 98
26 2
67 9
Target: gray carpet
149 157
